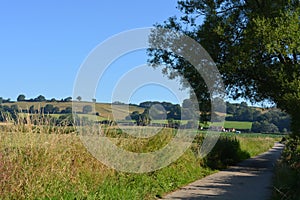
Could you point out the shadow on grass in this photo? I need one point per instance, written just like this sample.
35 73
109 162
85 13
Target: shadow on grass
226 152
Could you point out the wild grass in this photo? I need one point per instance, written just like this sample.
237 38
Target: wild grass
40 161
257 145
286 181
38 165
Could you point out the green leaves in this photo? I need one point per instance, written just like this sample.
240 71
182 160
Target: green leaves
280 34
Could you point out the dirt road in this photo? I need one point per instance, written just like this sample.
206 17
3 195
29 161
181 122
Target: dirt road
251 179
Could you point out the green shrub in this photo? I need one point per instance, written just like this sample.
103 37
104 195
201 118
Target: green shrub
227 151
287 173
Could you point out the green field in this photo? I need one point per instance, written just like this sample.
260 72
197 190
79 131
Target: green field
227 124
234 124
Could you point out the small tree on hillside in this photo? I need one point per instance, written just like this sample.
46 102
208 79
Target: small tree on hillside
79 98
87 109
21 97
140 119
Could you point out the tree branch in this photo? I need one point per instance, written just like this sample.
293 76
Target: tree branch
281 58
295 57
228 9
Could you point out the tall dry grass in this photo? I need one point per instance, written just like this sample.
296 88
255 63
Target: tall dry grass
42 161
37 160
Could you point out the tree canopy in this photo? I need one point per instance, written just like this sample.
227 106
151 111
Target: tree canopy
21 97
87 109
254 43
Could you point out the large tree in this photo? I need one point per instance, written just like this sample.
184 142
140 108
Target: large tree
21 97
254 43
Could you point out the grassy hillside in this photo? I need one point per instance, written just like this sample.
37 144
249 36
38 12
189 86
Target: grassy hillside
37 105
105 109
120 112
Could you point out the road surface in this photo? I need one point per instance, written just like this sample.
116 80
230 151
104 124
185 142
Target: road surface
249 180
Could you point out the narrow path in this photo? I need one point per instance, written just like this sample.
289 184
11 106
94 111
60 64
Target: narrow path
251 179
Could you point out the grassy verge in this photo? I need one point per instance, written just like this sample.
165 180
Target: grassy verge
255 144
38 165
287 173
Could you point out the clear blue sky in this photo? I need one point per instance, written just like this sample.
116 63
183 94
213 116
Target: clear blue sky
43 43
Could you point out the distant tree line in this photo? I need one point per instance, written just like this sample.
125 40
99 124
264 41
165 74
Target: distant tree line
8 113
269 121
273 121
37 117
155 110
62 120
264 121
39 98
166 110
242 112
2 100
47 109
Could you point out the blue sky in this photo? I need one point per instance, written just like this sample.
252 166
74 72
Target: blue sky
44 43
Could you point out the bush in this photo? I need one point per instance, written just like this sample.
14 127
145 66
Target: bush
291 154
227 151
65 120
87 109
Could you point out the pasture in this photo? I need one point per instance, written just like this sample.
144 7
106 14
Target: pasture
234 124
